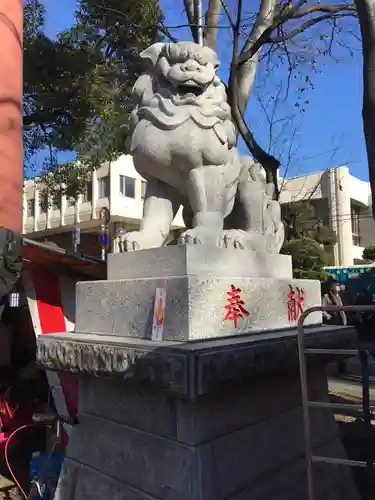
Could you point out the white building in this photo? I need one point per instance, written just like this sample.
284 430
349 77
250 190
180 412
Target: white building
343 202
115 185
339 199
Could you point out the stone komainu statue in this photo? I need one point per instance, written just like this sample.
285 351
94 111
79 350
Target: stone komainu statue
183 144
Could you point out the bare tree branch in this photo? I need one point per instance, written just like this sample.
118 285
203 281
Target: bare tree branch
179 26
332 9
212 22
269 163
306 25
255 43
190 13
247 72
167 33
228 14
265 18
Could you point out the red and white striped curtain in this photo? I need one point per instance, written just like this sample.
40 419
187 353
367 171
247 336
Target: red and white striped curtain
51 300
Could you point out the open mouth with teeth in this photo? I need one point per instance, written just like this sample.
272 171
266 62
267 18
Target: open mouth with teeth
186 89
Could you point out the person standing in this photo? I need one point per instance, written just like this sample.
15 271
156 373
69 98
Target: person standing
333 297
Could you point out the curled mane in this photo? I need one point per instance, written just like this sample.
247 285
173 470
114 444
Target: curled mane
158 104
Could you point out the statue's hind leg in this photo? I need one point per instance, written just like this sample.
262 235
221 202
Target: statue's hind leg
260 227
160 207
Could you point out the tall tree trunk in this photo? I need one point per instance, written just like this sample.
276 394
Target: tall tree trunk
366 14
248 69
212 23
190 14
241 81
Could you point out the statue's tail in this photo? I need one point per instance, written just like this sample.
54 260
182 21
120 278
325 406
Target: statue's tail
276 233
273 226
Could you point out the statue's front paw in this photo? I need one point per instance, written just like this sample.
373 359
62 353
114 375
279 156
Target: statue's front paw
236 238
138 240
191 237
131 241
199 236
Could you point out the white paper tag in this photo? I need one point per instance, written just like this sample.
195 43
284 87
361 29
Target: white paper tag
159 313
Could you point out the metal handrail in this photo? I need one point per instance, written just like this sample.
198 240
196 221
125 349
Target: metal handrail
304 391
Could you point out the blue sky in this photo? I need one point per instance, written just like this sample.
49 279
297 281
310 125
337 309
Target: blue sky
328 134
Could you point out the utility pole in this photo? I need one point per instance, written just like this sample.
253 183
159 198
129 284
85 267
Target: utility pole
11 149
198 21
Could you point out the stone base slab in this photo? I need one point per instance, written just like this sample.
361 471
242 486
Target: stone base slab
243 444
196 306
188 369
185 260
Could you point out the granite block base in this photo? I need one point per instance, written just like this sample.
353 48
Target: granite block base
187 260
133 443
197 307
209 420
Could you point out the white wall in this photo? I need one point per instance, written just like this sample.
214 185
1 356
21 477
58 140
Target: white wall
121 207
300 188
336 185
341 189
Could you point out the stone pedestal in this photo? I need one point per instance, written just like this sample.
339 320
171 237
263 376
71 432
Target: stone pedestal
213 419
209 420
197 282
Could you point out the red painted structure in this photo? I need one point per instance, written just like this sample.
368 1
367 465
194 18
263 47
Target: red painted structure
49 277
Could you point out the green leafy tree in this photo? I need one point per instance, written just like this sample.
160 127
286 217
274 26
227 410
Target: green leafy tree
55 98
98 62
308 258
77 88
308 240
301 220
369 253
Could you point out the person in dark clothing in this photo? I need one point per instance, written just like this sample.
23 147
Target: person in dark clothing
347 301
365 321
22 379
332 297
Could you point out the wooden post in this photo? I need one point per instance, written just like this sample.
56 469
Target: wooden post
11 150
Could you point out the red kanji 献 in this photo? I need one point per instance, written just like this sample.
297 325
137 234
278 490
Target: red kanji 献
235 309
295 302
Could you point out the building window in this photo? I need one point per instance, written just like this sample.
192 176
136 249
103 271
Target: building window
31 208
356 217
103 187
87 194
143 189
356 240
127 186
43 203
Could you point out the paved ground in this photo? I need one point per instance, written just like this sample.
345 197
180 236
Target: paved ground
8 491
349 386
19 460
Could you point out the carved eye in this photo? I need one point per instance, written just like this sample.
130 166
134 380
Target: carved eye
200 59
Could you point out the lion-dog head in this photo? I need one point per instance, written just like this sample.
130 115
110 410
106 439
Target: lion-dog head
182 84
